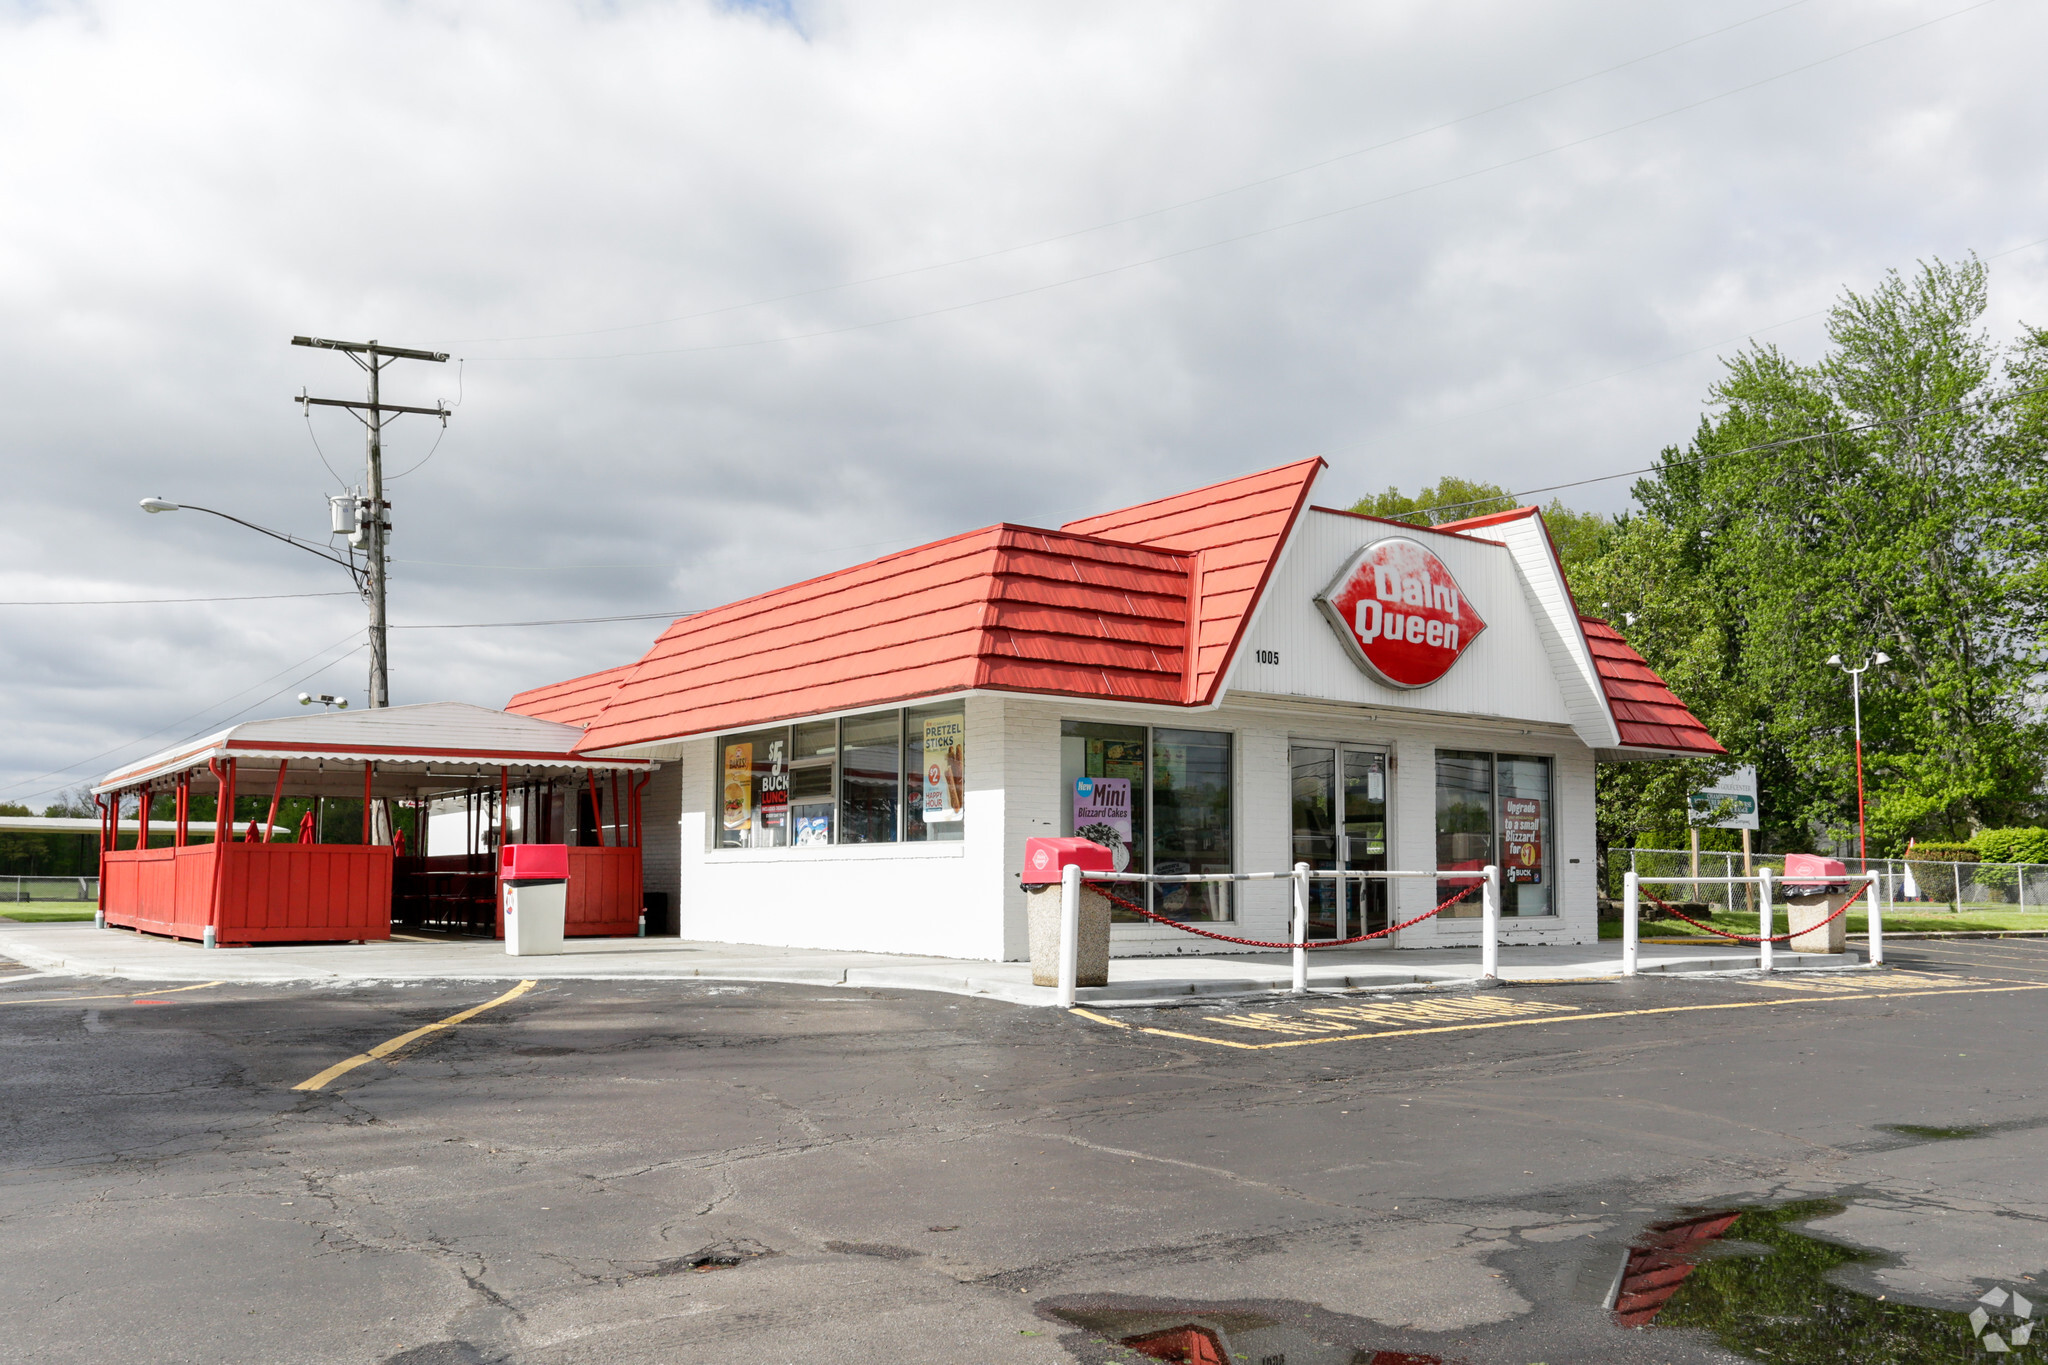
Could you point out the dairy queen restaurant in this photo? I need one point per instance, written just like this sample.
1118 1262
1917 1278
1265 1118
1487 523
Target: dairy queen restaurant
1228 679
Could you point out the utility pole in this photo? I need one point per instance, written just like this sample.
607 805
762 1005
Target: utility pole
373 512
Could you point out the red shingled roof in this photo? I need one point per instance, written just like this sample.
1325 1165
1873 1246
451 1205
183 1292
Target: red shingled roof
575 702
1237 530
1646 712
1099 608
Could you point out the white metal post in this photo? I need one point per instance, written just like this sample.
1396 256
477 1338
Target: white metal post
1070 933
1763 947
1300 928
1489 926
1631 902
1876 913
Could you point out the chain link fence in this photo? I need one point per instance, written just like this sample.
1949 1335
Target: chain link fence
1909 883
60 890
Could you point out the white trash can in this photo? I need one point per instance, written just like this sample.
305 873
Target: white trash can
535 882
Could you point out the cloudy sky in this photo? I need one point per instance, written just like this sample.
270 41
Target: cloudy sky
743 293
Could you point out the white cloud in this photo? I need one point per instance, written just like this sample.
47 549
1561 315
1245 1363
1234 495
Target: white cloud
184 187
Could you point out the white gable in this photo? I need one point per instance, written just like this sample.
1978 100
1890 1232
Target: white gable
1521 667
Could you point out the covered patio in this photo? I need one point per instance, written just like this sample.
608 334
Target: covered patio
400 813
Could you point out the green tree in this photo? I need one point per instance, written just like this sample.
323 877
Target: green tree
1450 499
1580 537
1891 497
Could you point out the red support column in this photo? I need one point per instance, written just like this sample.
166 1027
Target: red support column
142 799
367 770
276 795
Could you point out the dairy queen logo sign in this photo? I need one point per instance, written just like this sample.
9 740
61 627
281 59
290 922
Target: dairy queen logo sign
1400 613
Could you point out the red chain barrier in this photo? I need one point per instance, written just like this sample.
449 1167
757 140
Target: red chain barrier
1758 938
1135 909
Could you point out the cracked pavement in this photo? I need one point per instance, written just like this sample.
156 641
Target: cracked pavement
683 1172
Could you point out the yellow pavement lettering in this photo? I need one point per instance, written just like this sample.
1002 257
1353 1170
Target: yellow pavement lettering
125 995
1867 985
1322 1029
1347 1018
385 1049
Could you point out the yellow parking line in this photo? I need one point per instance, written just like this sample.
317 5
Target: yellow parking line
1771 1003
129 995
385 1049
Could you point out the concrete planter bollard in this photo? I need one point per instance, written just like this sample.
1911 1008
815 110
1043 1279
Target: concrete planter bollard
1807 911
1044 911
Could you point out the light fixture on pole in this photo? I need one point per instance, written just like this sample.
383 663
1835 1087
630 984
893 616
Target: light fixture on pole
1856 703
327 700
165 505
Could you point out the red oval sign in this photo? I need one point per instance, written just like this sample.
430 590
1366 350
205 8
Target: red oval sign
1400 613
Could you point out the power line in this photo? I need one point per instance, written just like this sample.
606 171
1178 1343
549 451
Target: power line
130 744
1719 454
562 621
1275 227
162 601
1157 212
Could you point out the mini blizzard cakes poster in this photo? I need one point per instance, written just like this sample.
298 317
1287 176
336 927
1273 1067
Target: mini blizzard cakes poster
1102 815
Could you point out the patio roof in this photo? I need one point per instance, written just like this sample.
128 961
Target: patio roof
443 744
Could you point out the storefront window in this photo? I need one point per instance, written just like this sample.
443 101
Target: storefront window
1527 860
1495 808
1102 777
1159 800
813 749
870 778
1191 793
754 790
860 780
935 773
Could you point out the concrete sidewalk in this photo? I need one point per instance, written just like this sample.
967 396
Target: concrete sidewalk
80 949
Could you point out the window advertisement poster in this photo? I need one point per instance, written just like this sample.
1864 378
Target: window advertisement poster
1521 837
1102 815
945 769
774 809
1117 758
739 786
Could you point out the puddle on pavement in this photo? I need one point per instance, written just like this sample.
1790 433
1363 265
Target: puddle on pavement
1762 1288
1214 1334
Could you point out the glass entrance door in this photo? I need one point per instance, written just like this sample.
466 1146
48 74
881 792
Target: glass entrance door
1340 824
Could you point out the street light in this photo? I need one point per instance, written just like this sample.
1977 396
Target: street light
165 505
327 700
1856 702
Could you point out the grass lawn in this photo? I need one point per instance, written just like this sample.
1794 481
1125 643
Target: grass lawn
1908 921
46 912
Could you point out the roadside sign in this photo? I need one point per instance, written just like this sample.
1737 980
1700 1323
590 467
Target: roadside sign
1734 794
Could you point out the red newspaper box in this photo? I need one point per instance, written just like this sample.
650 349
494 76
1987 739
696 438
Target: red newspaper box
1043 858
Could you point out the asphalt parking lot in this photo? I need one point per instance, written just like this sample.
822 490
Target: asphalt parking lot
677 1171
